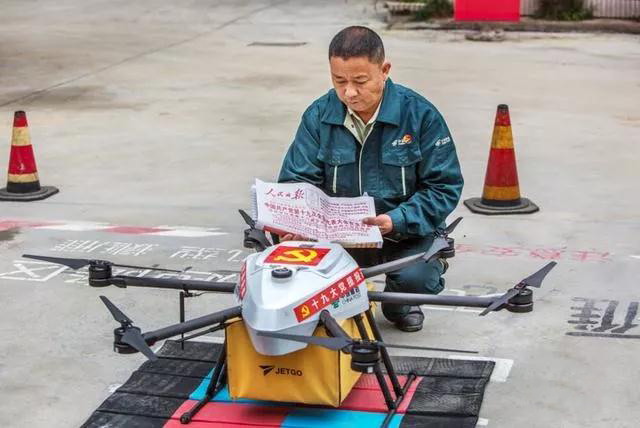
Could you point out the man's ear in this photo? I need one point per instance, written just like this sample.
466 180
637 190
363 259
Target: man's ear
386 67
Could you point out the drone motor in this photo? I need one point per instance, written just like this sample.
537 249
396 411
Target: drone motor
364 357
118 345
521 302
99 274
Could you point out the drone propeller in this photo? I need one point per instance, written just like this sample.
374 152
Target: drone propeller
338 343
254 237
117 314
449 229
534 280
247 219
80 263
131 335
438 244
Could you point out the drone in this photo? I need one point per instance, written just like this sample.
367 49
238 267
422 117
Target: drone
294 302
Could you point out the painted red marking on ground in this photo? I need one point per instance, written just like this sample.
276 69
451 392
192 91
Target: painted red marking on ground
547 253
16 224
590 256
324 298
132 230
540 253
501 251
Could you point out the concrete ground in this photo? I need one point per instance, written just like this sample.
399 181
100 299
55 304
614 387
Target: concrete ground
155 113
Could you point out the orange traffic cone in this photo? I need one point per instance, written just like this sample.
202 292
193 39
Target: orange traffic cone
23 183
501 194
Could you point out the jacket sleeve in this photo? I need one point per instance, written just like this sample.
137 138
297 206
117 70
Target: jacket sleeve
439 184
301 162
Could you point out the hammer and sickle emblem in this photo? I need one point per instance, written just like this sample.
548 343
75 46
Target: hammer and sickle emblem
301 256
305 311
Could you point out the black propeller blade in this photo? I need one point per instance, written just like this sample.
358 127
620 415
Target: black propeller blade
80 263
132 335
253 237
133 338
338 343
500 301
438 244
247 219
452 226
72 263
534 280
117 314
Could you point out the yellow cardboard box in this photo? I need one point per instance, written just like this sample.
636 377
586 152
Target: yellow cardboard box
313 375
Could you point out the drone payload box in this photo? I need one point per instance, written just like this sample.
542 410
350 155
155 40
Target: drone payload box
284 290
313 375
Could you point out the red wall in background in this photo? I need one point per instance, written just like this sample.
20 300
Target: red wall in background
487 10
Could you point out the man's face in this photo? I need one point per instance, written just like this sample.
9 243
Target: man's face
358 82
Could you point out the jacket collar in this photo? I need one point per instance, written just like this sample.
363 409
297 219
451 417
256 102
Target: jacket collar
335 112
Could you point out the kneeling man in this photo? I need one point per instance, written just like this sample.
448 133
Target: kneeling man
370 135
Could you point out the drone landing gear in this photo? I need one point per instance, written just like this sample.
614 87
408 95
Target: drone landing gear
366 359
217 382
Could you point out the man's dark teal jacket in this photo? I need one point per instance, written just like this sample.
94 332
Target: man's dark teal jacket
408 164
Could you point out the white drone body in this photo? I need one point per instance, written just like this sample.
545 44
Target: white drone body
285 288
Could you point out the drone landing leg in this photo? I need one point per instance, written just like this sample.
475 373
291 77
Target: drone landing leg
377 369
386 359
401 391
182 318
392 411
212 389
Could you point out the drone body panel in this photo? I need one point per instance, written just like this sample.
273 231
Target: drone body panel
284 288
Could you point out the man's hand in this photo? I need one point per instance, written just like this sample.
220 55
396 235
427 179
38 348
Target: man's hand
292 237
383 221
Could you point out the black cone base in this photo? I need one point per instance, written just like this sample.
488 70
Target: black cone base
43 193
524 207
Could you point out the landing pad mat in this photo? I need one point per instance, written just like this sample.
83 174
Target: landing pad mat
446 393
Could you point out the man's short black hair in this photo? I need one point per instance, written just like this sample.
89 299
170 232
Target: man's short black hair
357 41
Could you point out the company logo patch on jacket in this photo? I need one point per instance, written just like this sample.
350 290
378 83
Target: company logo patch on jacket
406 139
443 141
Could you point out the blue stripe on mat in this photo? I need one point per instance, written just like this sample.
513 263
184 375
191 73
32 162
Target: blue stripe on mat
310 417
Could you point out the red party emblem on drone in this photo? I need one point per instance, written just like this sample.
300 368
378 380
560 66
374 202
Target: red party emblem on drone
297 256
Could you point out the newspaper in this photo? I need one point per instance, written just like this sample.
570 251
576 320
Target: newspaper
303 209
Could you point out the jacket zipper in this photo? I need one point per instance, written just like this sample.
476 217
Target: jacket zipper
404 184
360 163
335 178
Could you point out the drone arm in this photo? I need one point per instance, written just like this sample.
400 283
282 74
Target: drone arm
438 245
152 337
172 284
332 325
430 299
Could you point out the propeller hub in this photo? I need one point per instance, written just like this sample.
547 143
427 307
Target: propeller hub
118 345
